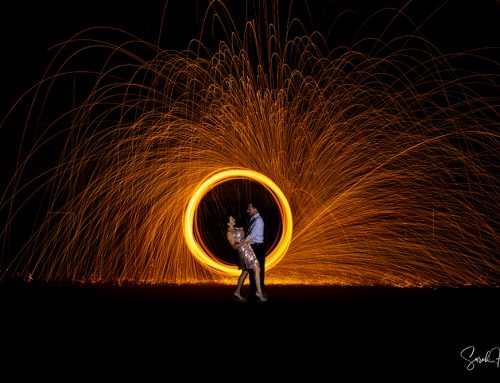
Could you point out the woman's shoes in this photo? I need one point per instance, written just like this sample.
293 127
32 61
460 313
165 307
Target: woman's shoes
239 298
260 298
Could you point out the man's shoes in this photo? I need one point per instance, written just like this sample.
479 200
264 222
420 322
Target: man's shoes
239 298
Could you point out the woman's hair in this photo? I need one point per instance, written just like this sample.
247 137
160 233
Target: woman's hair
238 222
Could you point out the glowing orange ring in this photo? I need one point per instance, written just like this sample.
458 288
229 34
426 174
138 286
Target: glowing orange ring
210 262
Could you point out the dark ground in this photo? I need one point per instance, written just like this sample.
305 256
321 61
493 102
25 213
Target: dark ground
319 333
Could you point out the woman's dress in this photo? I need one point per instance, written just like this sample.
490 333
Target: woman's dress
246 256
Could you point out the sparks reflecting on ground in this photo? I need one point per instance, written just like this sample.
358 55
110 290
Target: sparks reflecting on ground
387 156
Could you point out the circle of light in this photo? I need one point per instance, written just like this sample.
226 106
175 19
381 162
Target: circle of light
274 257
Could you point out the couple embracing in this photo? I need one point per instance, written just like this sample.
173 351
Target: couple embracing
251 253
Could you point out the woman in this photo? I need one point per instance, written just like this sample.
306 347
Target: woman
246 259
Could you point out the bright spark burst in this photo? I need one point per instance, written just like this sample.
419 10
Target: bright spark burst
211 261
388 160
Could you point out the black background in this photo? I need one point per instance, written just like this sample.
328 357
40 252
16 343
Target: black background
28 29
72 332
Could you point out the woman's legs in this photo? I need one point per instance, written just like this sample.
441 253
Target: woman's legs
241 279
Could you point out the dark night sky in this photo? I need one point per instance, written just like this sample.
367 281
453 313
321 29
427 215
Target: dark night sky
29 28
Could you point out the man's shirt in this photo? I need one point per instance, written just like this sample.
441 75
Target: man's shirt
256 229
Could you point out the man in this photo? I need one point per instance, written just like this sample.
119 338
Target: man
256 232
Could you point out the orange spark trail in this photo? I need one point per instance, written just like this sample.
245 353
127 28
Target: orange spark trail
385 160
